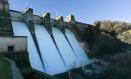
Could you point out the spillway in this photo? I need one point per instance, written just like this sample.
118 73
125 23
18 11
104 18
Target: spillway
21 29
70 59
50 55
57 55
77 48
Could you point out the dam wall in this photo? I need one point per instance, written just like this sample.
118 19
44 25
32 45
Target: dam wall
56 43
53 45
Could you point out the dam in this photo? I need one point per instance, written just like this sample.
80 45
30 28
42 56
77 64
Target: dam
55 59
53 44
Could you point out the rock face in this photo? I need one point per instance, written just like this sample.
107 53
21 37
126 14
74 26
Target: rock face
125 36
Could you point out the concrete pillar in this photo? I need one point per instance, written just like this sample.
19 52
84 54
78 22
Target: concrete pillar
60 20
60 23
46 21
28 13
70 18
28 17
71 21
72 24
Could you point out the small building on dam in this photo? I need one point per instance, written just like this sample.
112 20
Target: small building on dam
53 45
15 43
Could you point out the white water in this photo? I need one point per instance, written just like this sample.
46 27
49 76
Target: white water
49 53
52 60
65 49
77 48
20 29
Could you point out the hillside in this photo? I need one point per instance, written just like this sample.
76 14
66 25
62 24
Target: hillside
107 37
111 41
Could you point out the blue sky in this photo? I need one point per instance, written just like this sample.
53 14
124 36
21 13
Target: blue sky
86 11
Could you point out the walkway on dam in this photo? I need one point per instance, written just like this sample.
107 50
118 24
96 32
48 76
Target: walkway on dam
14 69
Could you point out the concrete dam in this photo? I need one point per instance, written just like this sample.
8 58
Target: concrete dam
59 51
53 45
58 54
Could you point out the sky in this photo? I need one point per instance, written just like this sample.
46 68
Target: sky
86 11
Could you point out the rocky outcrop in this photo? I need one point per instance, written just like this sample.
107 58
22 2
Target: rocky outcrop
125 36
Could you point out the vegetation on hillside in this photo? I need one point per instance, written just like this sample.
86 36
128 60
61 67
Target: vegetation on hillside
109 38
111 41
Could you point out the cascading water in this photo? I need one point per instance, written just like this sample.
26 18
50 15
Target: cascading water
70 59
21 29
55 60
50 55
77 48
